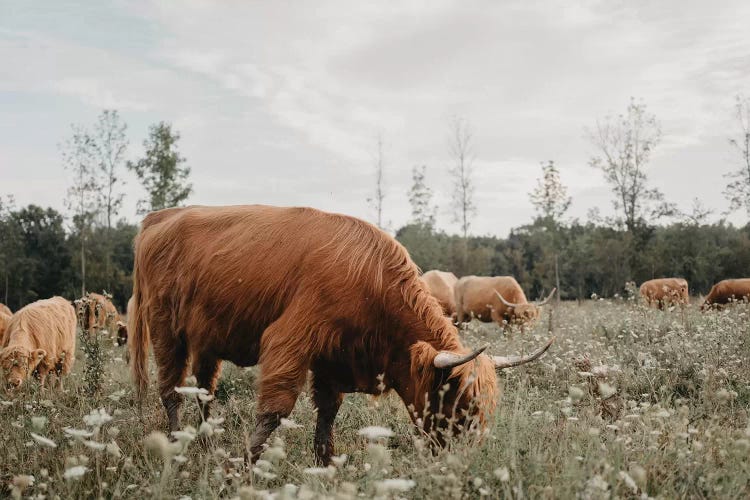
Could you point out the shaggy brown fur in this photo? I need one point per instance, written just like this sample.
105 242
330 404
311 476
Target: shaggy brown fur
4 320
97 312
5 309
40 339
727 291
440 285
475 295
295 289
665 292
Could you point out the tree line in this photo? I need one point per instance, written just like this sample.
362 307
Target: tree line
601 256
44 252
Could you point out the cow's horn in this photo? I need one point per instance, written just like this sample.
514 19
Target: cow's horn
539 304
502 299
447 360
502 362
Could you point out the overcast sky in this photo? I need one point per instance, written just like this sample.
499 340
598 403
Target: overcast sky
280 102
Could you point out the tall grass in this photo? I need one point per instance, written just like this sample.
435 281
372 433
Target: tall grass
629 402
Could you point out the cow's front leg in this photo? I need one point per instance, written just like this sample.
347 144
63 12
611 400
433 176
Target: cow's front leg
328 401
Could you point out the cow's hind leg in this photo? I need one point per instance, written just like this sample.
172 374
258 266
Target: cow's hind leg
328 401
207 372
284 361
171 358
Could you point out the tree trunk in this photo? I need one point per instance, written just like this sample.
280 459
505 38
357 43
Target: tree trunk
83 265
557 278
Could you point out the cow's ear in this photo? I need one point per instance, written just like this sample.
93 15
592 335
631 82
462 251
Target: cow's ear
37 356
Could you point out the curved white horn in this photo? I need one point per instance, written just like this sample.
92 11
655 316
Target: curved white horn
447 360
502 362
502 299
540 304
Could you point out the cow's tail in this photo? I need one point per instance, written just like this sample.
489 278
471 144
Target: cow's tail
138 338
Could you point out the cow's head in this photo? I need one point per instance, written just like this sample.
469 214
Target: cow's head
88 309
18 363
456 392
524 313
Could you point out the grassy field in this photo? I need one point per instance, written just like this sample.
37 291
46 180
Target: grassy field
668 419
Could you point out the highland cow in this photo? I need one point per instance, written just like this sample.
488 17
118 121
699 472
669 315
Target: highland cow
665 292
40 340
297 289
727 291
498 299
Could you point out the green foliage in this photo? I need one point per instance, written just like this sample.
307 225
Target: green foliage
161 171
550 197
37 259
420 199
592 259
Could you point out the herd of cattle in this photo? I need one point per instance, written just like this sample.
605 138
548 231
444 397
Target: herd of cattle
298 290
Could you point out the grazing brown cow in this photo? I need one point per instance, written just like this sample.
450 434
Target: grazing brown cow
440 285
97 313
498 298
40 339
297 289
726 291
5 309
665 292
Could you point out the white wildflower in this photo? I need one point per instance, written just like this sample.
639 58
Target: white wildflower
606 390
327 472
191 391
576 393
44 441
289 424
75 472
388 485
94 445
97 418
339 460
629 481
374 432
502 474
77 433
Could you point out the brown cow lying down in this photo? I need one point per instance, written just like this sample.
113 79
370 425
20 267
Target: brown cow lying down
440 285
5 310
498 299
727 291
665 292
40 339
297 289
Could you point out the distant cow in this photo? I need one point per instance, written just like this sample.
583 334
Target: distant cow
5 309
297 289
664 292
440 285
727 291
97 312
499 299
41 340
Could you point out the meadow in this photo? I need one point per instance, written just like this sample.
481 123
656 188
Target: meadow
629 402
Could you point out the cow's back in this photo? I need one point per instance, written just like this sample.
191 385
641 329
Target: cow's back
730 289
50 324
477 294
221 275
441 285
